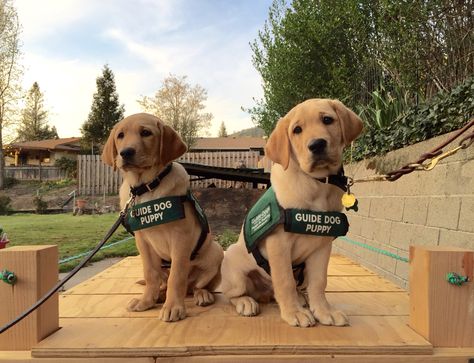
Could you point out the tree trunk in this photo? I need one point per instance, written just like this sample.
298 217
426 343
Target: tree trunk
2 162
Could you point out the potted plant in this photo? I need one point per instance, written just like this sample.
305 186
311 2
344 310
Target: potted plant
3 238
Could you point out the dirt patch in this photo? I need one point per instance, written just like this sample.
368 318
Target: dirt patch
22 195
226 208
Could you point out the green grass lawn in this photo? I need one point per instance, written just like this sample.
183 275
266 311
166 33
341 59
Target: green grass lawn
72 234
75 234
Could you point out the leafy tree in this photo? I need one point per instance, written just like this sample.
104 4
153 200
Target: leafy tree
307 50
222 130
105 110
34 124
180 105
10 72
349 49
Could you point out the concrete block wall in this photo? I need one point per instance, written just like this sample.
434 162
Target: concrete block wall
424 208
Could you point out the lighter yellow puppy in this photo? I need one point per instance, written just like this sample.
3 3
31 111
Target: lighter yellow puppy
141 146
305 146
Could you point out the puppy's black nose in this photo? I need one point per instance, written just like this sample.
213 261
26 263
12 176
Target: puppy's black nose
127 153
317 146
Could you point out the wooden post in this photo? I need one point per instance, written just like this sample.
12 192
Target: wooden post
441 312
36 268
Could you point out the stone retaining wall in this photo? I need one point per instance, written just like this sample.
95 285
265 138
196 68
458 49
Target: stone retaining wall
424 208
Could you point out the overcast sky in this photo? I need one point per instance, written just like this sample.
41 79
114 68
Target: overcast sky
67 42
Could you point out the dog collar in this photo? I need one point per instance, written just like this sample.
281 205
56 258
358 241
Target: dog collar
148 187
339 180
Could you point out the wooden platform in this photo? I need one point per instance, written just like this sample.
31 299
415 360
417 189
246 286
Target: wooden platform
95 324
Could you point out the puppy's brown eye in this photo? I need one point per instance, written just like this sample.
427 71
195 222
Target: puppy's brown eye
120 135
145 133
327 120
297 130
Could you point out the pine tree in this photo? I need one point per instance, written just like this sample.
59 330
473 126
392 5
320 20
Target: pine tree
222 130
105 110
34 118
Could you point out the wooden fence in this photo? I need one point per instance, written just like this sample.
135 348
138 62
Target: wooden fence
35 172
96 178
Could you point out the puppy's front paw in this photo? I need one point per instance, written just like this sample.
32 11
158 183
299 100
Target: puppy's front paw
170 313
202 297
246 306
331 317
301 317
140 305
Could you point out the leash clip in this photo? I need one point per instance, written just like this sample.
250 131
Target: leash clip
129 202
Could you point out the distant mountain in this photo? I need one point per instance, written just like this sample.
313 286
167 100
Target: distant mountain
252 132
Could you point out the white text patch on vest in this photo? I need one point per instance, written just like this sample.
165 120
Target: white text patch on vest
317 228
151 218
313 218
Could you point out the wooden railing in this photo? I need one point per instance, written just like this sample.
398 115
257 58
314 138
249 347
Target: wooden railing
35 172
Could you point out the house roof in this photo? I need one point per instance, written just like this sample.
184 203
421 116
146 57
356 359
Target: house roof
228 143
66 144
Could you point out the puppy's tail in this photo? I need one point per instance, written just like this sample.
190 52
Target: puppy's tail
261 286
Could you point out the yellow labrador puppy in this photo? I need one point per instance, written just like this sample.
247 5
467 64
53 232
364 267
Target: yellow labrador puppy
294 223
168 223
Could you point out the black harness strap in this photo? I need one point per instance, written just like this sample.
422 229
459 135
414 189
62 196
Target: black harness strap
298 270
204 226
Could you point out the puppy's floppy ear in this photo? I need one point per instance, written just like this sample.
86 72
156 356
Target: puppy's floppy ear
277 148
351 124
109 152
171 144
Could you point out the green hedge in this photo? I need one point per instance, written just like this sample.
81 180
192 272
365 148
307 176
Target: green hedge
445 112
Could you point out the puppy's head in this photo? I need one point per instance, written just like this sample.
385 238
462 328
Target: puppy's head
142 141
313 134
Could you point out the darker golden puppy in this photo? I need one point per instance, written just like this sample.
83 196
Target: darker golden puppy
292 227
168 222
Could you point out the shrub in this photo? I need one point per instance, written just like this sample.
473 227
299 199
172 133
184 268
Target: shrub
443 113
40 205
67 165
10 181
385 107
227 238
5 205
56 184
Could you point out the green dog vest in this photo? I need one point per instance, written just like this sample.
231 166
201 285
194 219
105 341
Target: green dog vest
266 214
163 210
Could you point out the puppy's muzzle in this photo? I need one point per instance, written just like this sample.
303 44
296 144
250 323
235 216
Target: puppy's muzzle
317 146
127 153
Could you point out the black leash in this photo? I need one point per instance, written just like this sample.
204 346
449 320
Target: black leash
61 283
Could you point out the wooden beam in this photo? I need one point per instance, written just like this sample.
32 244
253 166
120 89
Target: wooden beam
441 312
36 269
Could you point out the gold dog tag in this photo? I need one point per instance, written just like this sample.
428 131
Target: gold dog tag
348 200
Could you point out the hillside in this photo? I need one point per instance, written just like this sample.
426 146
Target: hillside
252 132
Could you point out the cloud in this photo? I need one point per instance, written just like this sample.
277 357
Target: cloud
68 42
45 17
67 85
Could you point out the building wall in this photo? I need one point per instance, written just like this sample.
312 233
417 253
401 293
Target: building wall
48 158
424 208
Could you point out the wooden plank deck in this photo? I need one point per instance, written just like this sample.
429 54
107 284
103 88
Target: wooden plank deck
95 324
